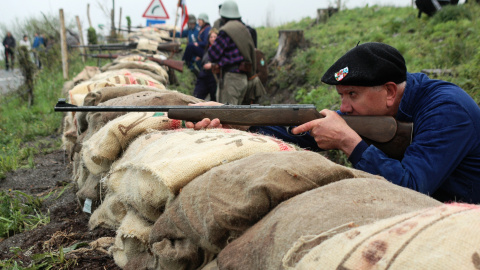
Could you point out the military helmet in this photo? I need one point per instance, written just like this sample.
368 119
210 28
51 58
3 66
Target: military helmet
203 17
229 10
192 19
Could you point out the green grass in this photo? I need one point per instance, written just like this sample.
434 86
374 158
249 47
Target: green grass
20 212
448 40
20 123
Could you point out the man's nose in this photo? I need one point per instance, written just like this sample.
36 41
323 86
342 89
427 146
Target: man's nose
345 107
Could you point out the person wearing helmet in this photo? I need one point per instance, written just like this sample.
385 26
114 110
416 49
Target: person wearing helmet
194 51
234 53
192 30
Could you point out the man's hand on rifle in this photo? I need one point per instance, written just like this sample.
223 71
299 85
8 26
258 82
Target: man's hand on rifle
210 123
331 132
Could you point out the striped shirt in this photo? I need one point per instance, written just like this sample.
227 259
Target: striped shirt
224 52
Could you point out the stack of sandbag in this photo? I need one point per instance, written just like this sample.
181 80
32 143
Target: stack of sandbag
442 237
150 33
221 204
312 217
158 166
105 135
141 62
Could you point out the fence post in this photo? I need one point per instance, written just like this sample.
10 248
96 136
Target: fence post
63 44
82 49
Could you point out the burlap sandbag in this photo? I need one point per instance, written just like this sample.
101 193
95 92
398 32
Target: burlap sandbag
221 204
149 66
443 237
158 164
106 145
339 206
67 86
132 96
131 239
135 72
86 74
112 138
117 80
109 214
147 45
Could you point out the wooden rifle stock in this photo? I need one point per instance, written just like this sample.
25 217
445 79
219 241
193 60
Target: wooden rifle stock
384 132
174 64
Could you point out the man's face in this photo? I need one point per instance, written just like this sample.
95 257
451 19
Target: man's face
362 100
191 25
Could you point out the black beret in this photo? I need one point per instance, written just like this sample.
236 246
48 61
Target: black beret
368 64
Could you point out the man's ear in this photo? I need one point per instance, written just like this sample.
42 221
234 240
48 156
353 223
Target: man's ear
392 93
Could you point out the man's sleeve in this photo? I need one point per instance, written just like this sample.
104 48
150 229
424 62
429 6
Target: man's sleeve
440 143
283 133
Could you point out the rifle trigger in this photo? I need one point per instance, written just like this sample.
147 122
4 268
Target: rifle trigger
289 130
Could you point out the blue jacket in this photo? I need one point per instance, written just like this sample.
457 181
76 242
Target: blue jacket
443 160
203 36
37 41
192 34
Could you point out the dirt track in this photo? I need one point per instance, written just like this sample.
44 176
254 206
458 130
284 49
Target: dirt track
69 225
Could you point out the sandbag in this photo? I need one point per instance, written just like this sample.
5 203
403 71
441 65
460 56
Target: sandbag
108 93
163 162
323 211
86 74
442 237
221 204
148 65
131 239
106 145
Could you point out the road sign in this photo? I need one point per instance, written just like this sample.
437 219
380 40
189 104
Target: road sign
156 10
150 22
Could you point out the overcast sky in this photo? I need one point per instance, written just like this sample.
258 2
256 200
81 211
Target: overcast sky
254 12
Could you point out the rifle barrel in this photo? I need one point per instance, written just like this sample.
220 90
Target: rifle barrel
384 132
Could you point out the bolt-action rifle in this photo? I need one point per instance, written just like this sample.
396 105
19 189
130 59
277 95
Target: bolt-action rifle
174 64
384 132
166 47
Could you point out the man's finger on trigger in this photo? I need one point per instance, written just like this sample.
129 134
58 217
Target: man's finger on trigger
300 129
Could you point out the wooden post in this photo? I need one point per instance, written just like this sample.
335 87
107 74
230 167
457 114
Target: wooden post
324 13
288 41
79 25
88 15
63 44
119 21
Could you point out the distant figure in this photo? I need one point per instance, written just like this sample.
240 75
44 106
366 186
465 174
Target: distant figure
197 49
9 44
206 82
25 42
192 30
38 45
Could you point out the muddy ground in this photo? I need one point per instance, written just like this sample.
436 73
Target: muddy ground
68 225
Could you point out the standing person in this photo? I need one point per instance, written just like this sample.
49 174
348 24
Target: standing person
197 48
234 53
38 45
192 30
25 42
9 44
443 159
206 82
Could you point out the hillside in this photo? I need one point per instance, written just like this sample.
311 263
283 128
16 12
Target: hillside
448 40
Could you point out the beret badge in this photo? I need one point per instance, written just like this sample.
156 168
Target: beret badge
341 74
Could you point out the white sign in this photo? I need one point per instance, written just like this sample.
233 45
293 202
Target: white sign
156 10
